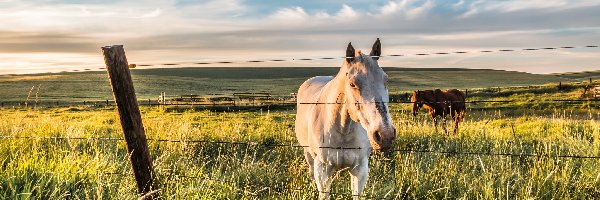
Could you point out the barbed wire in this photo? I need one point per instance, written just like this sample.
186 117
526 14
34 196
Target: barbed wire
266 145
94 66
340 57
474 102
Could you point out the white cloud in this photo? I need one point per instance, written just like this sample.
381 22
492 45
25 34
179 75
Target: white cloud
393 7
347 13
520 5
419 11
408 9
154 13
294 14
300 15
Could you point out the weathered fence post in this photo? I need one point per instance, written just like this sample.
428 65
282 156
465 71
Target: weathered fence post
466 93
131 120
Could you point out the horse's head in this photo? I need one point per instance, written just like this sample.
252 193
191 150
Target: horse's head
366 93
417 100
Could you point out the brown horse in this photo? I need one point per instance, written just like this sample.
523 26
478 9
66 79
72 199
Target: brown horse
441 103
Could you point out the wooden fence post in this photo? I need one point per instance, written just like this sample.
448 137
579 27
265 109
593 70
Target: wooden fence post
560 85
131 120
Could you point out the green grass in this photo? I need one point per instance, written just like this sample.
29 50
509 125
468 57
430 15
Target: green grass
94 169
280 81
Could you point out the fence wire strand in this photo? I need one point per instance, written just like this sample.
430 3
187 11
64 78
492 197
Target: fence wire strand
94 66
301 146
340 57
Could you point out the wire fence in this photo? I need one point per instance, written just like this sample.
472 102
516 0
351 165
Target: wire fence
286 103
296 146
250 61
205 61
284 186
588 94
257 144
281 188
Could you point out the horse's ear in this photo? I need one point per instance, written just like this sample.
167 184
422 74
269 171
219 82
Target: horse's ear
376 50
349 53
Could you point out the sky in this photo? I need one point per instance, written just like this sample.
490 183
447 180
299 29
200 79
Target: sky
64 35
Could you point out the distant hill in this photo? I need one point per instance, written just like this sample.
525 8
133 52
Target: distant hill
580 76
149 83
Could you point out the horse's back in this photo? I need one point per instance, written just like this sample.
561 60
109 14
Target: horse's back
458 99
310 90
457 95
307 97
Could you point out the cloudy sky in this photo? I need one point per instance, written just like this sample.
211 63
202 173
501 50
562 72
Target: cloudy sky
57 35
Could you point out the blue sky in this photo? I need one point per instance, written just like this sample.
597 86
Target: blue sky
57 35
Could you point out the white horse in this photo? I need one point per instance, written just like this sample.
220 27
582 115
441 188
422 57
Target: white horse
340 119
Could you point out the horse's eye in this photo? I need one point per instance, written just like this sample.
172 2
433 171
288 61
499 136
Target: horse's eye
352 85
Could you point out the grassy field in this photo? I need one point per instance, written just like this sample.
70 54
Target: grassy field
99 169
149 83
580 76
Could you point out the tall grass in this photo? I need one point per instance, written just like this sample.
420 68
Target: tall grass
98 169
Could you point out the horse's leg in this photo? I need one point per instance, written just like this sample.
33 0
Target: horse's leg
455 126
358 177
323 177
459 117
310 160
455 115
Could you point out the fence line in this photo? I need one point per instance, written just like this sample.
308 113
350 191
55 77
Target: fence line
284 103
301 146
341 57
253 61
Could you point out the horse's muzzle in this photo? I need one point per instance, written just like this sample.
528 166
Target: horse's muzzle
383 140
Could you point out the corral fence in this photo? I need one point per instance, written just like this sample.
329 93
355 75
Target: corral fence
587 90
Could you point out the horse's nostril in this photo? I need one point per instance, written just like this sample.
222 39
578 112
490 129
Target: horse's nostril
377 136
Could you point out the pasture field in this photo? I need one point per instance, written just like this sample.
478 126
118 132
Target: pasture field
279 81
467 165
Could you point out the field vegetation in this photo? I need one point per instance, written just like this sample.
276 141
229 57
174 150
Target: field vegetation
504 150
279 81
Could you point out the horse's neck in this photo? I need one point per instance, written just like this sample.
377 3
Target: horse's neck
336 111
